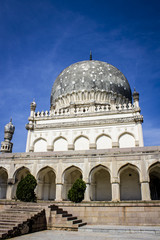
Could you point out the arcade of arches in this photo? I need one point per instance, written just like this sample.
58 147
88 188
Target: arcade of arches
100 186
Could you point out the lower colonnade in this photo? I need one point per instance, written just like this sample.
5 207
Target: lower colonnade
99 184
109 176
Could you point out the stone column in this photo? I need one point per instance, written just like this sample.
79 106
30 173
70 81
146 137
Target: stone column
86 195
145 191
9 190
58 192
115 191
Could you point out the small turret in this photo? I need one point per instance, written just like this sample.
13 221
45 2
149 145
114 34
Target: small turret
32 108
136 98
6 145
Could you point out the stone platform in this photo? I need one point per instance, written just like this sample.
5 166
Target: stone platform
63 235
129 213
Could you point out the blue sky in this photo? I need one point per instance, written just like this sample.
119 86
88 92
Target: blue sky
39 38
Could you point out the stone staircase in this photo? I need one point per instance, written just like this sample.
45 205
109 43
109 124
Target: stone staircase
62 220
21 219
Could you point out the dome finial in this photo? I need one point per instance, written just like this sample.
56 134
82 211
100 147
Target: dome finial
90 55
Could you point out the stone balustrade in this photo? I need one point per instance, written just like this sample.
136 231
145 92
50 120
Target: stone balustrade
85 109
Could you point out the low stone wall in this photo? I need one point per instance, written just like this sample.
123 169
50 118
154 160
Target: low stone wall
124 213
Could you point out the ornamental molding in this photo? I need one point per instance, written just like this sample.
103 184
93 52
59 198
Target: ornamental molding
112 121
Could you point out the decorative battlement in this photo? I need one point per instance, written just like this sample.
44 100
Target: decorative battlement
80 109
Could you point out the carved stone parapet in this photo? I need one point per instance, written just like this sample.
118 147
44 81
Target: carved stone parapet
70 146
92 146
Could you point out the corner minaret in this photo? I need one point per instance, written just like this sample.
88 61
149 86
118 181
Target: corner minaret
6 145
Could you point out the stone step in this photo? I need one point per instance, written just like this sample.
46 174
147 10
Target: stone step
15 217
3 235
61 212
21 211
12 221
121 229
7 223
71 218
26 209
82 224
77 221
66 215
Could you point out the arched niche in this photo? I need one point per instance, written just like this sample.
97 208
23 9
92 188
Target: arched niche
18 176
126 140
70 175
154 176
103 142
100 184
46 184
40 145
3 182
130 187
60 144
81 143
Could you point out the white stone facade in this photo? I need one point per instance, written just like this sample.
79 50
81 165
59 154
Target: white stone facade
110 175
93 134
96 128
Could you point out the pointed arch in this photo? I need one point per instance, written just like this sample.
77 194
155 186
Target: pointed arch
154 176
81 143
60 144
69 176
3 182
46 183
100 183
103 141
40 145
18 175
130 187
126 139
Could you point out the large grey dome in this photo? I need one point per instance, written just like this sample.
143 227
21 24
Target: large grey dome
90 75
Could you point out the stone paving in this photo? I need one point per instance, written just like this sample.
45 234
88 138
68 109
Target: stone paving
66 235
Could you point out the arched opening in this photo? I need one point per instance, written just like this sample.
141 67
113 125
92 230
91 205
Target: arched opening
154 175
40 145
130 187
70 175
100 184
3 183
19 175
104 142
81 143
46 186
60 144
126 140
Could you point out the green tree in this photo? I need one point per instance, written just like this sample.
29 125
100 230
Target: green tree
25 189
76 193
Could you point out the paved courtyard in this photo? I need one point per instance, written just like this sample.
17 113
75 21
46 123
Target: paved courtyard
65 235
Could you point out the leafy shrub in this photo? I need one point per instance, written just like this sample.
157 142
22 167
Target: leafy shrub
25 189
76 193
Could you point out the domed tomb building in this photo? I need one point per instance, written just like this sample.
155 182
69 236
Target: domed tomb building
91 108
93 131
